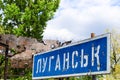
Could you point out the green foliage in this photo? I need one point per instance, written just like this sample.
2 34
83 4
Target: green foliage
115 55
1 30
81 78
27 17
115 58
14 73
1 65
23 74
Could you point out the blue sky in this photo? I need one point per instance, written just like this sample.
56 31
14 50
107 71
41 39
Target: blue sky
76 19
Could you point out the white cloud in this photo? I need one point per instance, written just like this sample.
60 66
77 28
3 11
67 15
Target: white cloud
61 34
76 19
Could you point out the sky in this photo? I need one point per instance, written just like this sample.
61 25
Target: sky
76 19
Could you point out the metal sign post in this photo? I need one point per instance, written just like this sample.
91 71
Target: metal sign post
87 57
93 76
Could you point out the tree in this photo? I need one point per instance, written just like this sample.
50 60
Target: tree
1 30
27 17
115 57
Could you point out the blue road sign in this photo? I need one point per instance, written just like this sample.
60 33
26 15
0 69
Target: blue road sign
88 57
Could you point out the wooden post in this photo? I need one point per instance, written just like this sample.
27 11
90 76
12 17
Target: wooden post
93 76
61 79
92 35
6 64
6 59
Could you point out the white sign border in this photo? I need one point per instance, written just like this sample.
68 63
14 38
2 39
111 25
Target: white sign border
108 35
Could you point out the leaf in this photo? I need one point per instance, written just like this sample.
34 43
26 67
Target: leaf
32 15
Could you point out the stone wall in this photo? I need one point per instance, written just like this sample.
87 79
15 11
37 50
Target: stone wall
26 56
25 48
